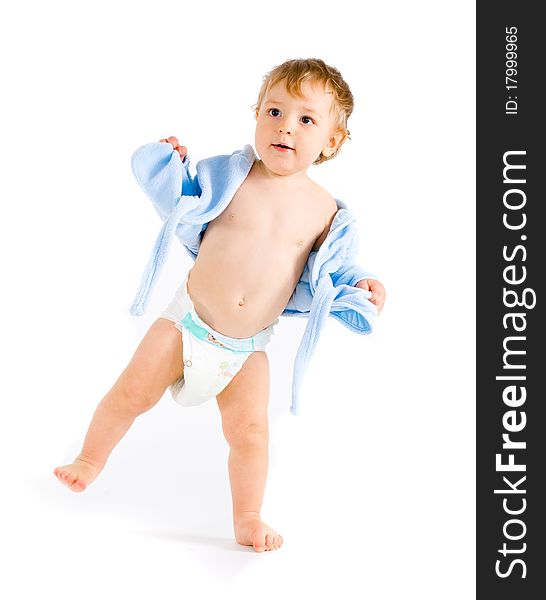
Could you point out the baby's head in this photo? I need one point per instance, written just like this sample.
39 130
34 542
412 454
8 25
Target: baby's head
305 104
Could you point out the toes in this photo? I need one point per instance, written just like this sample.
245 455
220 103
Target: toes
69 479
273 541
265 539
259 542
74 482
60 473
78 485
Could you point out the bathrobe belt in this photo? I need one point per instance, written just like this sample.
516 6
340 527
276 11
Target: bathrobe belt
159 253
323 298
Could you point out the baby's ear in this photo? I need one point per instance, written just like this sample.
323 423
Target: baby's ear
341 136
336 140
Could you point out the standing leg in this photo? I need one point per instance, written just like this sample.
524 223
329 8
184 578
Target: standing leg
156 364
243 406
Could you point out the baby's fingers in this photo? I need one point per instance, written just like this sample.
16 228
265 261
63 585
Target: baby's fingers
182 150
170 140
378 298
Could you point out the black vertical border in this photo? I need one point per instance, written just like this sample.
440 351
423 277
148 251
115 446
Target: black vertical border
498 133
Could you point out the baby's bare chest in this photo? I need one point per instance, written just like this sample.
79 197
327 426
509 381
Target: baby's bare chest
286 218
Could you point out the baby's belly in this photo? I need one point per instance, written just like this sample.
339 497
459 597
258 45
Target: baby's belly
239 289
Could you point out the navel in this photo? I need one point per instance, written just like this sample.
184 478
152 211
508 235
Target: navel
241 302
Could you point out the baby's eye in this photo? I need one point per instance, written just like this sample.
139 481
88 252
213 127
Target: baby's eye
307 120
274 112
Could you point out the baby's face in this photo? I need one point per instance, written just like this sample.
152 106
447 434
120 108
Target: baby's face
304 124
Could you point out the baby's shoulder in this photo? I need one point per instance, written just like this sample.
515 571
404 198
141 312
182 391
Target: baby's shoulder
328 208
325 201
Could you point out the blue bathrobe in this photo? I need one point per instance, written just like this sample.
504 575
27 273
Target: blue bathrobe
187 204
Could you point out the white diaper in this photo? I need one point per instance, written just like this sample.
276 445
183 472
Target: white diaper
211 359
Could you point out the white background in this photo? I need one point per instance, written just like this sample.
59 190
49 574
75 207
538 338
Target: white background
372 487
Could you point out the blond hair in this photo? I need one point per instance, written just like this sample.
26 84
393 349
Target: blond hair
314 70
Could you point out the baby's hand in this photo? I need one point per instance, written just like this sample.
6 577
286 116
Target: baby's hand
377 290
182 150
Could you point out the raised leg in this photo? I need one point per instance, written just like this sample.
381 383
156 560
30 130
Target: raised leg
243 406
156 364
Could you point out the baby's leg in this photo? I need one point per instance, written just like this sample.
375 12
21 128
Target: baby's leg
243 406
156 364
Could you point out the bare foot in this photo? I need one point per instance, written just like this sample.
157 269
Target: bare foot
78 475
250 530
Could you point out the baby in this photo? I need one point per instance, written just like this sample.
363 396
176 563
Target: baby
249 260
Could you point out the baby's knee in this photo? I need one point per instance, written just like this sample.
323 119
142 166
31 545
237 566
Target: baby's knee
133 397
245 435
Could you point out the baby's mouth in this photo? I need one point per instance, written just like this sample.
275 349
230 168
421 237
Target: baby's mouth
282 147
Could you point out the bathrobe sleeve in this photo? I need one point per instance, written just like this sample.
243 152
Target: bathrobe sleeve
351 305
350 273
171 188
185 204
163 177
338 259
167 182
